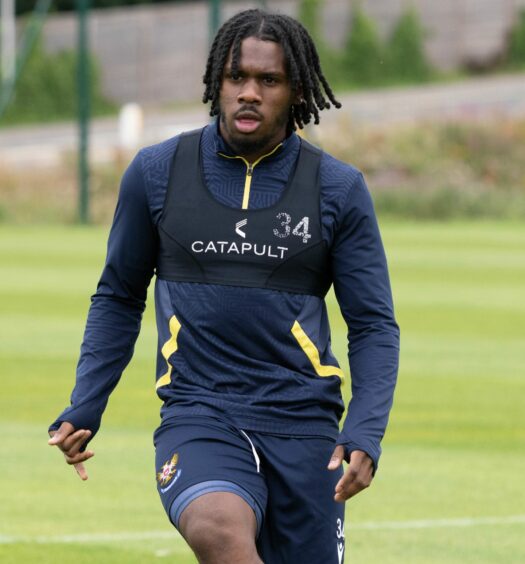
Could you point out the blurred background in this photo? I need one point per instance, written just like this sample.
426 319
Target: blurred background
433 113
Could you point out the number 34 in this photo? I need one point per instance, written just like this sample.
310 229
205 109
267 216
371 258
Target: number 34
300 230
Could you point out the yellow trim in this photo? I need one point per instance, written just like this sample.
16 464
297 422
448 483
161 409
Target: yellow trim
249 172
168 349
247 187
310 350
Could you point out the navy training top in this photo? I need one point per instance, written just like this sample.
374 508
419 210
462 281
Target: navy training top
259 357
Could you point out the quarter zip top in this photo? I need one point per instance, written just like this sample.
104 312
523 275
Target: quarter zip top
249 173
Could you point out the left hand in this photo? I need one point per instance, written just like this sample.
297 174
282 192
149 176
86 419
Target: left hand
357 476
70 440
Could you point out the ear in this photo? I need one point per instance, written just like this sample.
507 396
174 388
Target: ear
298 96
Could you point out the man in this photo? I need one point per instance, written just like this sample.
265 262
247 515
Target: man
246 226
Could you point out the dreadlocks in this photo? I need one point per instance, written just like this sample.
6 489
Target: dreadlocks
301 56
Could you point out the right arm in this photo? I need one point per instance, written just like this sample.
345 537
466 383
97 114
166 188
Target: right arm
114 318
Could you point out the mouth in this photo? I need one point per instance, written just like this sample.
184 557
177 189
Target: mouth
247 122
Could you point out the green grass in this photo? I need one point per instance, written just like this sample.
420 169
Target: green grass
455 447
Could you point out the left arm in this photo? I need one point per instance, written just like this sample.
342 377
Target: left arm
362 288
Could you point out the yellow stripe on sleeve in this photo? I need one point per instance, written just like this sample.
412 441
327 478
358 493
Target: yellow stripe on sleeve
170 346
310 350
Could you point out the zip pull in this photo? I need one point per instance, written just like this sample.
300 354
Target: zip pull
250 169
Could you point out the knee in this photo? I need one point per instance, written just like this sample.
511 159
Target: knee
211 535
217 537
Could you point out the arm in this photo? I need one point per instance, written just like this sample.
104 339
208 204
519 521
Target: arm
362 288
114 318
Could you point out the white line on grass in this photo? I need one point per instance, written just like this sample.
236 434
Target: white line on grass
437 523
93 538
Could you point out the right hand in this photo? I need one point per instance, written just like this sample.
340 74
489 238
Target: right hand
70 442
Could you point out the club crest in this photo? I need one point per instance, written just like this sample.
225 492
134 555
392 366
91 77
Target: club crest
168 470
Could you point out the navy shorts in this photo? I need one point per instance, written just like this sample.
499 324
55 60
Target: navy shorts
284 479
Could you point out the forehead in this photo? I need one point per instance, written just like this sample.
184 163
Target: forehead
257 55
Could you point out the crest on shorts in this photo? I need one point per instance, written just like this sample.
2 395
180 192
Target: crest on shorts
168 470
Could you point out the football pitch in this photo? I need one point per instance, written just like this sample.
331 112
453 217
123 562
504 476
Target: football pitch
451 482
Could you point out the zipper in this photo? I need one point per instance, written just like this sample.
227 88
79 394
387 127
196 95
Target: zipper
249 174
247 185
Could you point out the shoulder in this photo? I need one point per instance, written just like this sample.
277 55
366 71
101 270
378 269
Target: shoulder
154 163
337 176
155 159
342 190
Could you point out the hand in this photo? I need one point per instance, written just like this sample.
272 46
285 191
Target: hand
70 442
357 476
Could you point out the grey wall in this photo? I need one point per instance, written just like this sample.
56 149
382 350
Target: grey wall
156 54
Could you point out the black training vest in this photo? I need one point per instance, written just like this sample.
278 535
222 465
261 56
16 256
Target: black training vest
279 247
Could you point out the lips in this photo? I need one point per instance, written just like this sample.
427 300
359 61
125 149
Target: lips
247 122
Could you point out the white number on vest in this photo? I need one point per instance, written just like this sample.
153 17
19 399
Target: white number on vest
285 223
302 225
300 230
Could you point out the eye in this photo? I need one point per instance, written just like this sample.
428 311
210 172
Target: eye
233 77
269 80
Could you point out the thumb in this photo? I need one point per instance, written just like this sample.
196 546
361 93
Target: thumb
337 458
61 433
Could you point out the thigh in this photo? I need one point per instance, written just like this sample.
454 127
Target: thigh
302 523
199 455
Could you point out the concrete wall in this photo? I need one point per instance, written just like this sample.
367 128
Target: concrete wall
157 54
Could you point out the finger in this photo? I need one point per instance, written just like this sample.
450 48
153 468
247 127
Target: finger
80 457
81 471
345 483
72 444
337 458
61 433
355 479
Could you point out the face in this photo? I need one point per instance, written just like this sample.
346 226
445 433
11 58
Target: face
255 102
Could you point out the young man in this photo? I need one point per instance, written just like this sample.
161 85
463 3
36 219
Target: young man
246 226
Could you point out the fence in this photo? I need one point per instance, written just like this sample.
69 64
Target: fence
156 54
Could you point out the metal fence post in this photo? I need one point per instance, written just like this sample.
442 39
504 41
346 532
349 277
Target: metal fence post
83 109
214 18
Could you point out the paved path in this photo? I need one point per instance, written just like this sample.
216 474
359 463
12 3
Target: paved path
501 96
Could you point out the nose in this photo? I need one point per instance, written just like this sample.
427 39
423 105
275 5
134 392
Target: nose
249 93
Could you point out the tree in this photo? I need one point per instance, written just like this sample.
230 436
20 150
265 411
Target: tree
407 61
516 50
363 57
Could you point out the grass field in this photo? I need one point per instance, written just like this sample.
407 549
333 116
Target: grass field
450 488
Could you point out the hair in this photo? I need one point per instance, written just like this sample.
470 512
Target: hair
302 59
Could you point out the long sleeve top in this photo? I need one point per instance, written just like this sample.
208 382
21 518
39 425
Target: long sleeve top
234 352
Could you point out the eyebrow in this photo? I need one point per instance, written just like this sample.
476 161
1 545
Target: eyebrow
272 73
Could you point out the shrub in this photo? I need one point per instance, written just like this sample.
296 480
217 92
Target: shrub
406 58
363 57
47 89
439 170
309 17
24 6
516 45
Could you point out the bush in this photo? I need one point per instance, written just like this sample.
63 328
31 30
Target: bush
309 17
439 170
330 59
24 6
516 46
406 50
363 57
47 89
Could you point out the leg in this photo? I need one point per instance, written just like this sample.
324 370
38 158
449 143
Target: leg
212 488
220 528
303 524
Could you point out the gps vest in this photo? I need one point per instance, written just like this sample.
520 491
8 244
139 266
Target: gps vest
278 247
